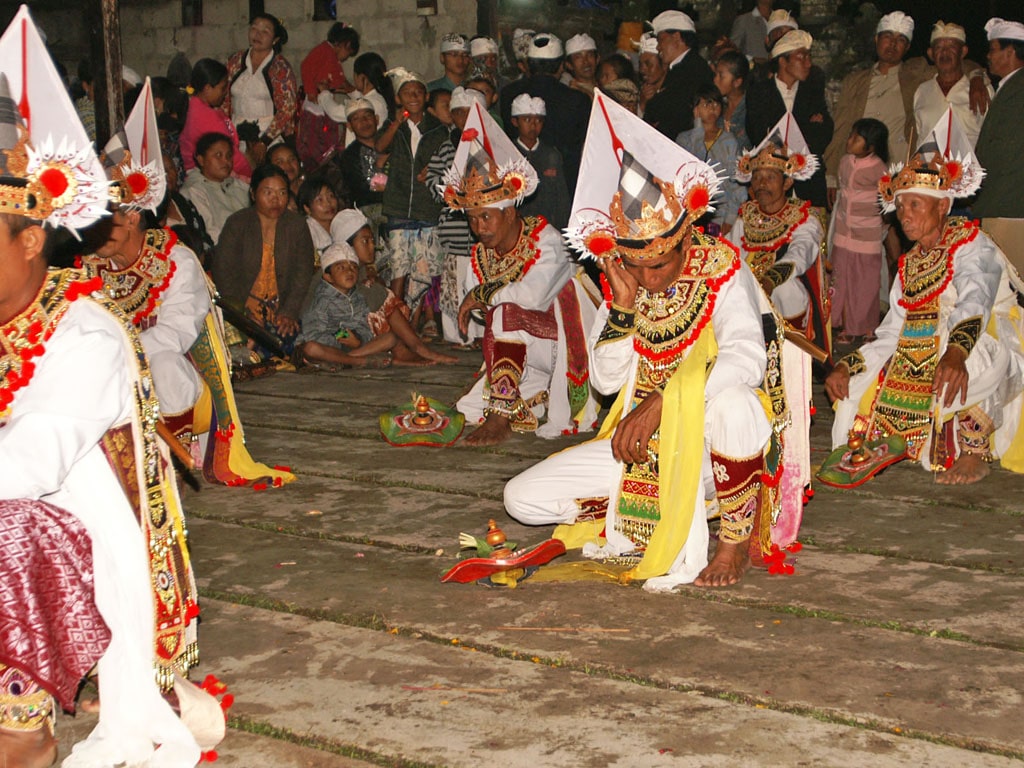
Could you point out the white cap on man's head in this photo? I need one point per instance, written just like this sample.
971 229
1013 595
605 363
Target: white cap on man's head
672 21
525 104
648 43
130 76
454 43
781 18
579 44
1001 29
337 252
464 98
482 46
897 22
355 105
794 40
544 45
943 31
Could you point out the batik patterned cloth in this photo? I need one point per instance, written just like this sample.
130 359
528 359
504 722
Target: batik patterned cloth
50 627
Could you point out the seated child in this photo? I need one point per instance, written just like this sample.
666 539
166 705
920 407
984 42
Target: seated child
339 328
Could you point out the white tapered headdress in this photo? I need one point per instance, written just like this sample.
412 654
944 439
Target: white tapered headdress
134 161
944 166
488 171
49 171
642 190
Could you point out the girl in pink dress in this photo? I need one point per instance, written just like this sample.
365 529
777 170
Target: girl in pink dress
857 231
207 88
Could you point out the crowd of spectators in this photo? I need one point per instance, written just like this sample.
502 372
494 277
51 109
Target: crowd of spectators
379 140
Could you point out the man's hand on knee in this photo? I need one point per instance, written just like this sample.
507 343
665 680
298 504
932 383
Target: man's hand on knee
951 377
629 443
837 385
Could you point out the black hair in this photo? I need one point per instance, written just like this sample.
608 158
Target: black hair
206 72
282 145
85 71
621 64
372 67
280 33
544 66
1018 46
310 188
707 93
207 140
175 100
432 96
875 135
737 64
341 33
261 174
688 37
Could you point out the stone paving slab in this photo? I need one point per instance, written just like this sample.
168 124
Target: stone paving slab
442 705
239 748
862 672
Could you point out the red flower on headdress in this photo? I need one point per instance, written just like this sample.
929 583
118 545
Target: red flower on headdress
54 181
600 243
799 161
470 134
516 183
137 183
696 198
953 168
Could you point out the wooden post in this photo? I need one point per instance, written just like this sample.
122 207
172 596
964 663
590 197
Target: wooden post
104 20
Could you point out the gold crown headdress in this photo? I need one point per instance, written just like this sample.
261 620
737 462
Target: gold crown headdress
798 166
134 161
48 169
475 179
647 217
937 177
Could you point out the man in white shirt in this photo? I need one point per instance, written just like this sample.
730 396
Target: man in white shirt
950 87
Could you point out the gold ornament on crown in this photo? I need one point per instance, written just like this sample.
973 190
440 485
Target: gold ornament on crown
935 175
774 158
480 191
52 186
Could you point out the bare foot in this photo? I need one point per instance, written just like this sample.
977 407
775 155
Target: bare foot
436 357
969 468
403 356
494 430
90 706
727 567
27 749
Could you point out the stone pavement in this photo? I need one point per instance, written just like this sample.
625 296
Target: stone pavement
899 641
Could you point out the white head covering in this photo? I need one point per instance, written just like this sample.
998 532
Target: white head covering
401 76
642 188
337 252
781 18
130 76
897 22
1001 29
672 21
794 40
135 162
482 46
453 43
487 171
648 43
524 104
355 105
784 149
943 31
464 98
579 44
521 39
346 223
944 166
61 181
544 45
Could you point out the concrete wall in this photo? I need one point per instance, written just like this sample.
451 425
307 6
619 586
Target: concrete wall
152 33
